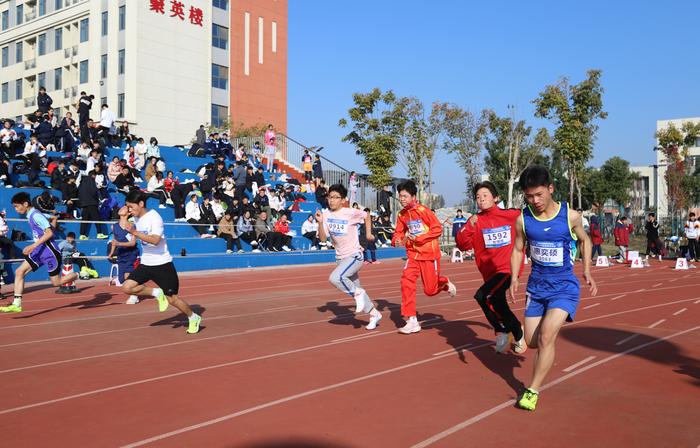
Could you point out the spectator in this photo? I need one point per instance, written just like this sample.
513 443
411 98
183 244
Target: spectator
225 147
307 165
153 150
193 215
622 237
259 178
281 237
653 241
65 137
317 170
89 200
239 179
125 181
206 211
246 231
596 234
8 140
57 175
257 154
140 149
227 231
70 194
125 134
92 161
201 136
84 105
46 204
107 119
261 202
45 134
369 252
178 195
114 169
458 222
6 246
156 189
270 147
692 233
352 187
217 207
151 168
385 230
43 100
250 184
69 251
309 230
322 194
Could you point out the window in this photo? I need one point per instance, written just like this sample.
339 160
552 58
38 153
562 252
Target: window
219 76
5 92
105 23
19 47
42 44
120 105
103 100
121 62
219 114
41 79
58 39
122 18
5 20
42 8
274 37
103 66
84 32
219 36
18 89
5 56
20 15
221 4
83 72
59 4
58 78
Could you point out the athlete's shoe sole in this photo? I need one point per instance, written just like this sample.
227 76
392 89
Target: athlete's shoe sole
10 309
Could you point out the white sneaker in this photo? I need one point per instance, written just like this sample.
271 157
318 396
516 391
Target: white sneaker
324 248
240 251
360 297
256 251
162 206
374 318
520 346
253 243
132 300
412 326
211 228
229 251
451 289
660 258
313 248
204 235
286 249
502 342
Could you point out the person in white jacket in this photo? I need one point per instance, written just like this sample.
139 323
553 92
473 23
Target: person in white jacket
141 148
194 217
309 230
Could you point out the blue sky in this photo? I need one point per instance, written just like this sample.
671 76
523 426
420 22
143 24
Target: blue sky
488 55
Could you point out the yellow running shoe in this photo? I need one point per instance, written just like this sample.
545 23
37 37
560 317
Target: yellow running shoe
162 301
529 400
194 325
10 309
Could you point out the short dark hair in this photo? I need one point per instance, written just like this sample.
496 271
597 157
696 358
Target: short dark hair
21 198
691 214
135 196
408 186
535 176
485 184
340 189
652 214
623 218
70 235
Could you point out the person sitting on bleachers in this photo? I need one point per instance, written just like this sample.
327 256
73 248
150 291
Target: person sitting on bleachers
193 215
57 174
217 206
69 194
33 146
246 206
225 146
92 160
125 134
8 140
246 231
114 169
212 144
256 155
133 161
309 230
227 230
277 202
125 181
250 180
156 189
140 151
151 168
261 202
153 150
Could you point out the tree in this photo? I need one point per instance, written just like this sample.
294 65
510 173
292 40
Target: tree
462 135
573 108
378 121
510 150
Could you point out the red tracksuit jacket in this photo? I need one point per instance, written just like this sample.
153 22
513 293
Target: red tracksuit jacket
421 222
492 239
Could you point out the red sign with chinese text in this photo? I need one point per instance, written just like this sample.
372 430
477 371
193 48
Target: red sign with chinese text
177 9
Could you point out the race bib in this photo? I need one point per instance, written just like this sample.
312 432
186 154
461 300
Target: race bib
416 227
337 227
547 253
497 237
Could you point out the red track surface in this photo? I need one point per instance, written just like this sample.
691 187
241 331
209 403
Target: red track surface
274 366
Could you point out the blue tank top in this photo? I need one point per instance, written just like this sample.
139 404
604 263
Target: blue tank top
552 244
38 222
120 235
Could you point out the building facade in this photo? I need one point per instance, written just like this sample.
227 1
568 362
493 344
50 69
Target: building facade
165 66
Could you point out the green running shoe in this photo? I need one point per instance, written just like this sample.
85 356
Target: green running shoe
194 325
529 400
10 309
162 301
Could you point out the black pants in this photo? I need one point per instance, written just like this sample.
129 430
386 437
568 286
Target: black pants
197 226
230 241
694 249
90 213
239 192
312 236
596 250
492 300
275 240
106 135
370 252
656 246
248 236
178 196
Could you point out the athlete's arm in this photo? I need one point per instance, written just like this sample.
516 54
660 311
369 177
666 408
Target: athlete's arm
48 234
434 228
577 226
368 228
516 257
321 227
465 237
150 239
399 234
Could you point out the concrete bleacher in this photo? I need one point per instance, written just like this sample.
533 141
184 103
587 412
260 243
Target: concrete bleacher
200 254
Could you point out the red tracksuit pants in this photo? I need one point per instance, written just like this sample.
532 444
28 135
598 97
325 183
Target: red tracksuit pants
433 283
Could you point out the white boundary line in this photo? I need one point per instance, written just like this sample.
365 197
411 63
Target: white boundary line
591 306
579 364
628 338
658 322
682 310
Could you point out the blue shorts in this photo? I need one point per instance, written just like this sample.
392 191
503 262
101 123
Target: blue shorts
46 254
552 292
126 266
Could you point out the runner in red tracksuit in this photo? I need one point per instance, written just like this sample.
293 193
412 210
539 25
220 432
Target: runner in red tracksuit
491 234
419 230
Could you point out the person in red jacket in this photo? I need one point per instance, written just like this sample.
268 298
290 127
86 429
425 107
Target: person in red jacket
491 233
622 237
596 235
419 230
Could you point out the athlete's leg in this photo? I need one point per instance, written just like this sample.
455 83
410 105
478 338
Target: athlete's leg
548 330
409 277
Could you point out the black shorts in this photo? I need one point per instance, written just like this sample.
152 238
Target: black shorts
164 275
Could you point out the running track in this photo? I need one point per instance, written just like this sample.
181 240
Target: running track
281 362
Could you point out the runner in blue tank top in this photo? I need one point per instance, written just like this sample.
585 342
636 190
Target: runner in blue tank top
552 289
42 251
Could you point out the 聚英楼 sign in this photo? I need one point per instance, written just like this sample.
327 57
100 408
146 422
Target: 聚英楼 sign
177 9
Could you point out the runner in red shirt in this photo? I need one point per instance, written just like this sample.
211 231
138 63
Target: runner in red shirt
491 233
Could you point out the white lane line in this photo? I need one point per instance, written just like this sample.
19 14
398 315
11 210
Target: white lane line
618 297
591 306
361 336
658 284
696 302
628 338
452 350
510 403
680 311
271 327
659 322
579 364
281 308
